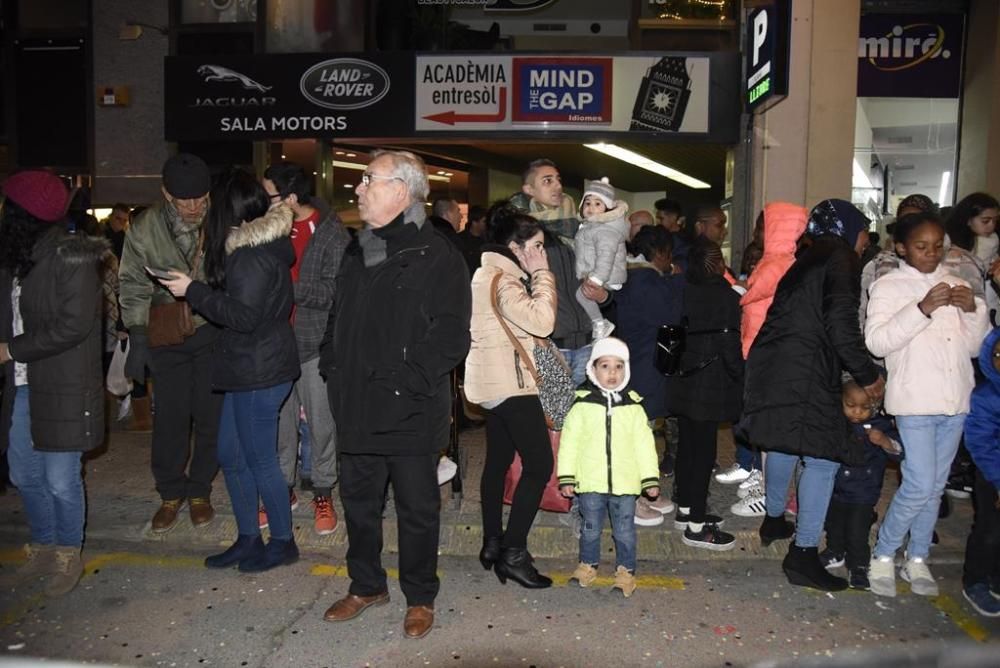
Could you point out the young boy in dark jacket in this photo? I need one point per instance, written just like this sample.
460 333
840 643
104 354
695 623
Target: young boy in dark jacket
980 582
857 489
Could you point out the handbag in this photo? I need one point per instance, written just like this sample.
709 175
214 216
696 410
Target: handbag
552 500
171 323
671 344
556 389
116 382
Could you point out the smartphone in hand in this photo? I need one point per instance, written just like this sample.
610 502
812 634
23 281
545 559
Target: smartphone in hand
159 273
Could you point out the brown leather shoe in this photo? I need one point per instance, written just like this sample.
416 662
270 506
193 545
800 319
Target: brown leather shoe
201 511
165 518
419 621
351 606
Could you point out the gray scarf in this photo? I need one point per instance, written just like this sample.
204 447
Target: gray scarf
374 248
185 234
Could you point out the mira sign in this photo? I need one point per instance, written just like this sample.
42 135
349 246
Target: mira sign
910 55
765 59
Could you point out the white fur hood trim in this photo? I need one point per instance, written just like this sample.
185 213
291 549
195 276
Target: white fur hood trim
274 224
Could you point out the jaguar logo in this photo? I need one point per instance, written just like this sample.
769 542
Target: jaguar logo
344 83
217 73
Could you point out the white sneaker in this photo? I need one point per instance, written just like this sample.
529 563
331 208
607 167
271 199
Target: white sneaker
732 475
882 575
446 470
601 329
755 479
921 581
646 515
752 505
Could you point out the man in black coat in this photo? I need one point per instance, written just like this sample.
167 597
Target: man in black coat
398 327
792 400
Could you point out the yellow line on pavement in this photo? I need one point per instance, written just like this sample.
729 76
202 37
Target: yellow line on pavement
963 620
642 581
558 579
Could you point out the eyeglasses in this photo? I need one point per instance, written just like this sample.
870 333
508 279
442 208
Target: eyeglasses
366 178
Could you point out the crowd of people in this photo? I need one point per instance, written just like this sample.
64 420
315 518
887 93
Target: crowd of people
292 352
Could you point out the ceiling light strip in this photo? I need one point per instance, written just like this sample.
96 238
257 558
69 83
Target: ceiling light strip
638 160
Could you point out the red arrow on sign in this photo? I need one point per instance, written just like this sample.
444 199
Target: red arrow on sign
450 117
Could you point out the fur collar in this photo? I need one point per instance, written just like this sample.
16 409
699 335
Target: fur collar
274 224
73 249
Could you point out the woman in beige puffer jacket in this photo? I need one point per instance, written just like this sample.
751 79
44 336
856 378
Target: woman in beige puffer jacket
515 266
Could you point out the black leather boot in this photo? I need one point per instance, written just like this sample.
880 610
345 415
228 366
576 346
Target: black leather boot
515 563
803 568
245 547
775 528
490 553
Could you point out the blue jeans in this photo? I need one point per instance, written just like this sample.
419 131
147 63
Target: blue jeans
50 483
594 507
930 443
577 360
815 490
248 456
747 459
305 451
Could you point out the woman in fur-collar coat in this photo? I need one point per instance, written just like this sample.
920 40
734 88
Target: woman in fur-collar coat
248 292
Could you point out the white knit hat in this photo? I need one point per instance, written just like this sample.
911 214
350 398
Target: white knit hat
609 346
602 190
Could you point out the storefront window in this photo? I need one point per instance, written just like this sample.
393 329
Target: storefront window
904 146
906 132
218 11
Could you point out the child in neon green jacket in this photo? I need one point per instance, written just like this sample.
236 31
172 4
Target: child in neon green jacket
607 456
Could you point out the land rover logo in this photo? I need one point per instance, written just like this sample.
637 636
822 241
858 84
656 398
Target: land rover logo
344 83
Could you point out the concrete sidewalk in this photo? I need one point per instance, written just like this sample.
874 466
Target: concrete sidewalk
121 502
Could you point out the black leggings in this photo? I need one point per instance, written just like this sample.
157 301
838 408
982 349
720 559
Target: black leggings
696 449
517 424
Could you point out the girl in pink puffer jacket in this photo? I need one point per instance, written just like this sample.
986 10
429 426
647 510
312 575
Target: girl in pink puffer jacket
784 223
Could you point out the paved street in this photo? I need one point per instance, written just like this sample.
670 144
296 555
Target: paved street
148 601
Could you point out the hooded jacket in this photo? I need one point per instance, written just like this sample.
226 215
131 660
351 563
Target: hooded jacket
493 369
600 246
982 426
784 223
927 359
398 327
257 346
61 307
792 396
606 445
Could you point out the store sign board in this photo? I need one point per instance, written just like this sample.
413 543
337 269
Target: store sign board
664 96
766 55
287 96
663 93
910 55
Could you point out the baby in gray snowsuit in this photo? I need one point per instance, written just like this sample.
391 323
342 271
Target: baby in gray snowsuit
600 248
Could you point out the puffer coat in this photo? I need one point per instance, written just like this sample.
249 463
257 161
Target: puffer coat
494 370
600 246
793 386
61 307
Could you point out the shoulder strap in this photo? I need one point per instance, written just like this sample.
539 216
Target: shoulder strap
528 361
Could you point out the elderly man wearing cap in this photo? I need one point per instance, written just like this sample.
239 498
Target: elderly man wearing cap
50 342
175 345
